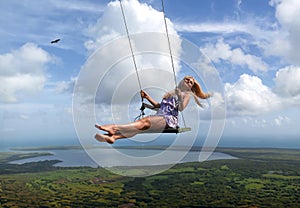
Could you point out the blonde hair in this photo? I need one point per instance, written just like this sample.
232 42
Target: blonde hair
196 90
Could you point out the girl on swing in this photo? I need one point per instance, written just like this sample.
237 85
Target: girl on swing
166 116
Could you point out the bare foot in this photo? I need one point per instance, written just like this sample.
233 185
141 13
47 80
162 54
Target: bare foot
105 138
108 128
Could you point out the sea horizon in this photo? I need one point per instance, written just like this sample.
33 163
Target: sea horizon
229 142
28 147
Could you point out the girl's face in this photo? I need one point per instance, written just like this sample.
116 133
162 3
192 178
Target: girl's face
189 82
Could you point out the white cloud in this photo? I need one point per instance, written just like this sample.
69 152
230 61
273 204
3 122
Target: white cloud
66 86
287 84
14 86
280 120
287 41
223 51
150 46
249 96
279 38
140 18
29 58
217 100
223 28
24 117
22 72
75 5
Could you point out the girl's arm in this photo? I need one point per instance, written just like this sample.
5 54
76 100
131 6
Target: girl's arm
184 99
150 99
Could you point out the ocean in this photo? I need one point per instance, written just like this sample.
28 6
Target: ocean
109 157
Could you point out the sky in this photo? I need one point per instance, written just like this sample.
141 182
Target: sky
53 93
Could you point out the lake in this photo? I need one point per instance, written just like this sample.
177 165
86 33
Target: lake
79 157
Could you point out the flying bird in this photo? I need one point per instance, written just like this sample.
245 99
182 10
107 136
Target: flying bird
55 41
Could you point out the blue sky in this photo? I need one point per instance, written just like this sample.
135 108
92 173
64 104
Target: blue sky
253 45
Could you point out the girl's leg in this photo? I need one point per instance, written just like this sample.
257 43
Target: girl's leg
110 128
108 138
105 138
151 123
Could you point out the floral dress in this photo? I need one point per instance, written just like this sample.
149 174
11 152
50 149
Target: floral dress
169 109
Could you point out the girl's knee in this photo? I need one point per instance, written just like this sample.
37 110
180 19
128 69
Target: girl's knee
145 124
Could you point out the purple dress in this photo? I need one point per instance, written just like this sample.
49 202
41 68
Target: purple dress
169 110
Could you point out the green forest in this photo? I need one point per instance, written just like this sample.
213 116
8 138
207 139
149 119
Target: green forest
258 178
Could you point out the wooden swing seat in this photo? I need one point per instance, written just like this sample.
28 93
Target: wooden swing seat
166 130
176 130
169 130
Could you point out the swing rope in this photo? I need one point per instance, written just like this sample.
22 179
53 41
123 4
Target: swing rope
169 44
135 65
142 113
170 51
130 44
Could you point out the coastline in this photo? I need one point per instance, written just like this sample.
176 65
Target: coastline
76 156
177 148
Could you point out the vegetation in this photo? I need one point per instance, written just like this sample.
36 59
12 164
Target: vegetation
260 178
11 156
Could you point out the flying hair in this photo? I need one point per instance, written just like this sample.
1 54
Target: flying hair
196 91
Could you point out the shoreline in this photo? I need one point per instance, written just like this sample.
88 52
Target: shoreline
23 155
176 148
67 156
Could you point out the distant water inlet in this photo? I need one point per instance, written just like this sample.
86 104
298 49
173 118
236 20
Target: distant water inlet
78 157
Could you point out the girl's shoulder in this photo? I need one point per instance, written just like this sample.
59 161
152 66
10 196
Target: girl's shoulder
186 94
